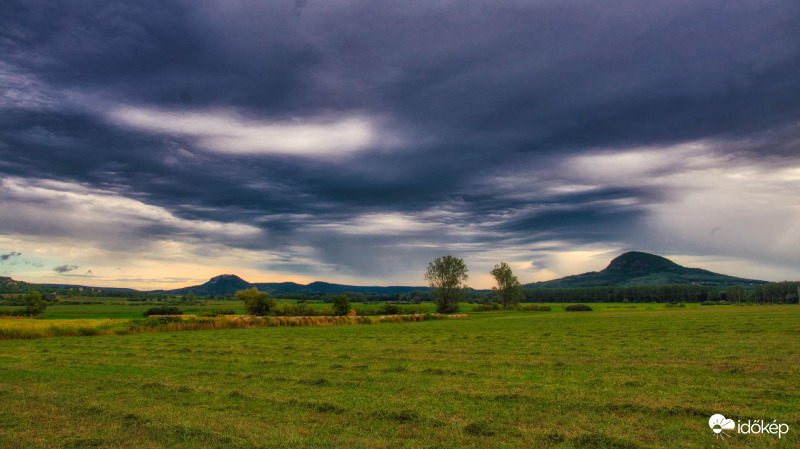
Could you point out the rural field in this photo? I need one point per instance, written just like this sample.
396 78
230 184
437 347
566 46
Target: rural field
623 376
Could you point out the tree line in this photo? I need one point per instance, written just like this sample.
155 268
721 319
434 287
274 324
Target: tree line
773 293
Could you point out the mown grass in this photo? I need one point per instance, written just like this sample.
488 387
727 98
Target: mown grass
608 378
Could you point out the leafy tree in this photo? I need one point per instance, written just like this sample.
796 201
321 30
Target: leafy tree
257 303
508 289
34 304
341 306
447 277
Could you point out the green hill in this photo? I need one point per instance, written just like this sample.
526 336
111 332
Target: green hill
228 284
219 285
637 268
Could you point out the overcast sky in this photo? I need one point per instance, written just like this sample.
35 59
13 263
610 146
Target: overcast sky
155 144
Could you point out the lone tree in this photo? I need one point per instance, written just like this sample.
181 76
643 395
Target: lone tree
447 277
34 304
341 306
508 289
257 303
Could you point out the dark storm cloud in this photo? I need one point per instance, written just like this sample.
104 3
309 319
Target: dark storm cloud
485 104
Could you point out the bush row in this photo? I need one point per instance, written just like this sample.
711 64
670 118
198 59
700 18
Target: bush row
578 308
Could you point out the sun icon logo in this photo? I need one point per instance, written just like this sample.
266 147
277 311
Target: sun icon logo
719 425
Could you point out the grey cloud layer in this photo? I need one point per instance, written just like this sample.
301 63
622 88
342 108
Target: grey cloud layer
480 109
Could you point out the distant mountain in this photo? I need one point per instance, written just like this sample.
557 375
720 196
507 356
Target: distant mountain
9 285
637 268
228 284
219 285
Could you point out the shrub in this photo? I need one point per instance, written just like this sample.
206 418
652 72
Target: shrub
214 312
162 311
487 307
389 309
533 308
286 309
257 303
578 308
341 306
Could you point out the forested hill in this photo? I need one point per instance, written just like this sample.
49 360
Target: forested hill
228 284
638 269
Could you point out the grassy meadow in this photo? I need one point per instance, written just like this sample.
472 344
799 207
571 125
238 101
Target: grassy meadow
124 309
121 308
619 377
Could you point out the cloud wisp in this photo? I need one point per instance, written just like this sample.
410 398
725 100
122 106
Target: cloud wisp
229 133
61 269
5 257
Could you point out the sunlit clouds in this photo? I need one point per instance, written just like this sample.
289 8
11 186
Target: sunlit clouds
227 132
73 210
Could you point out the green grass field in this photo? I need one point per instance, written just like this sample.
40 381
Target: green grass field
122 308
612 378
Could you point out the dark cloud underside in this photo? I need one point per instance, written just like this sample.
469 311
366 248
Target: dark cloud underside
475 113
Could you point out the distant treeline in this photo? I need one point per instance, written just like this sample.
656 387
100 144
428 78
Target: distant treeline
414 297
775 292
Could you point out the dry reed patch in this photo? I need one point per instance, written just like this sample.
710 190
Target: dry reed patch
36 328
